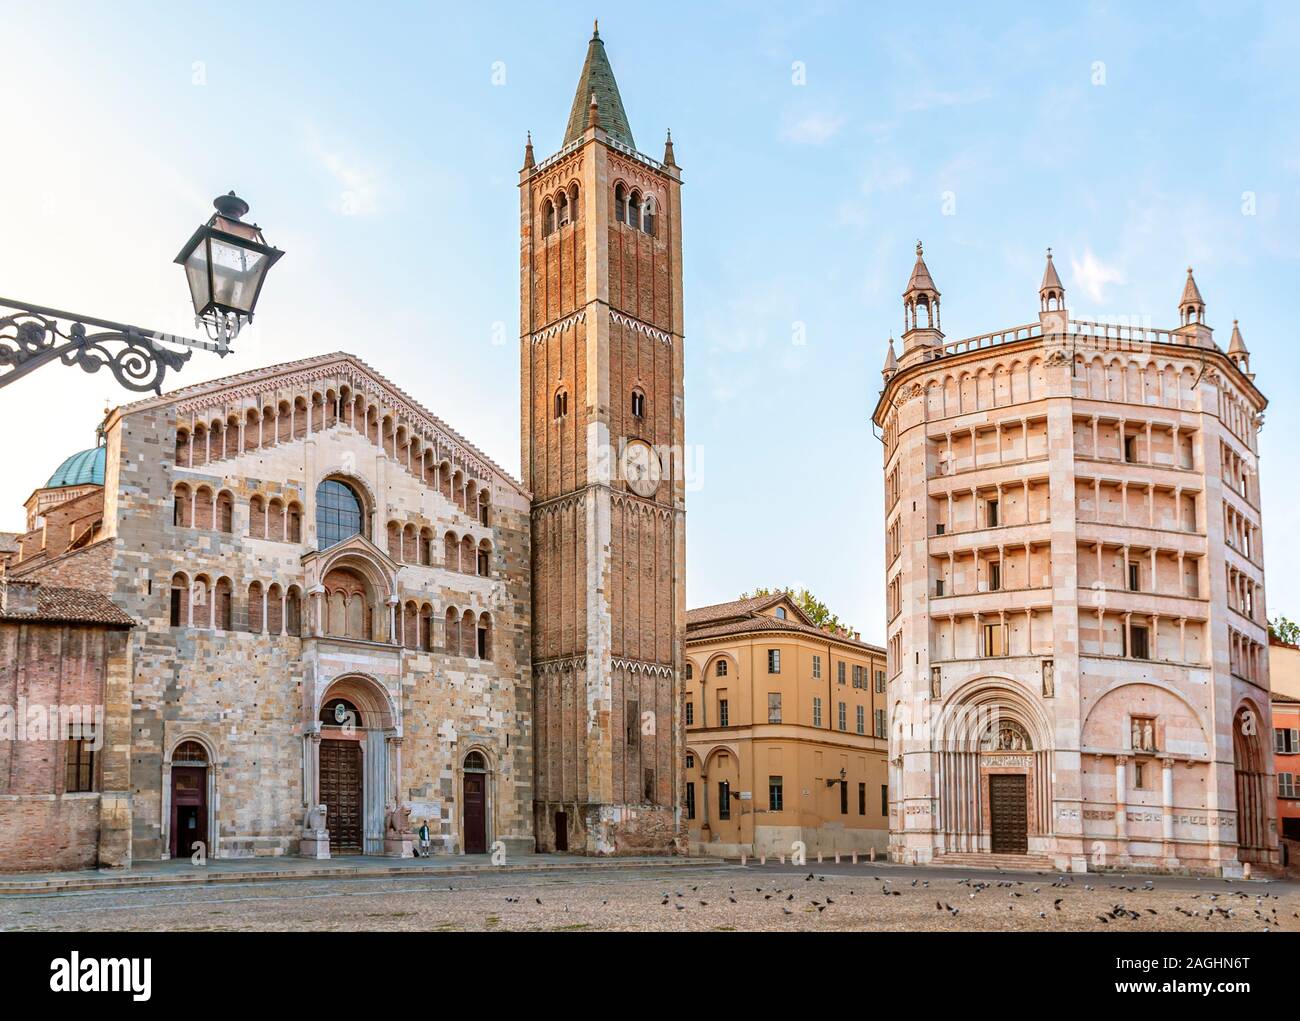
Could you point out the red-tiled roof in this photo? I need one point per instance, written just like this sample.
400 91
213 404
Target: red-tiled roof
762 622
735 608
1277 696
58 605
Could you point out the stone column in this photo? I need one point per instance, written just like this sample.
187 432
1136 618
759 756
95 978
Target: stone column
1121 807
1167 804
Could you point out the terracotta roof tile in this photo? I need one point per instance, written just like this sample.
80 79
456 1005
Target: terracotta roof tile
56 604
764 623
735 608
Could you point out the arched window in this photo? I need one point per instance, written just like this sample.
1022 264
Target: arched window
180 601
548 217
223 605
620 203
256 517
721 671
201 602
484 561
274 610
648 218
634 210
690 671
293 612
256 609
573 203
202 507
638 403
181 507
561 402
339 513
426 628
182 447
563 209
484 637
275 519
225 511
293 522
451 632
468 638
483 503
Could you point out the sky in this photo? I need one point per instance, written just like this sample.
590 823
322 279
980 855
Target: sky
379 146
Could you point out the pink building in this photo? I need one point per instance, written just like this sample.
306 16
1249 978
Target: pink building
1075 612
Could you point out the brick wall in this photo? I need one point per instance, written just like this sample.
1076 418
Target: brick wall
41 826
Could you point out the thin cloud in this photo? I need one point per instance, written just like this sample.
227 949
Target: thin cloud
815 128
1092 275
358 185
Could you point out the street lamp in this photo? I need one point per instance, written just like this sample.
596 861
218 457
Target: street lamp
225 260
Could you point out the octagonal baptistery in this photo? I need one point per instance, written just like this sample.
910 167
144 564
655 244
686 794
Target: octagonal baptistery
1077 643
333 586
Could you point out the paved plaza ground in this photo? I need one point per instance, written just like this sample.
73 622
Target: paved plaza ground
688 896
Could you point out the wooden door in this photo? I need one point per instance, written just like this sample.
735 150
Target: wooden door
561 831
475 813
340 791
1010 813
189 810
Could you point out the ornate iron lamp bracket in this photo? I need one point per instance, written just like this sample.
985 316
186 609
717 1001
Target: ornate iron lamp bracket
32 336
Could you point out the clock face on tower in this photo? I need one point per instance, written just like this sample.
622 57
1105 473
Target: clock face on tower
641 468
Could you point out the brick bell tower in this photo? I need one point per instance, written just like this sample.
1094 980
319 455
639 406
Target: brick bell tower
601 449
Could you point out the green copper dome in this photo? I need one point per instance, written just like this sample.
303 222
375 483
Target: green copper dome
85 468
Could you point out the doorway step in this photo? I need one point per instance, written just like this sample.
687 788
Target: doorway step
1005 862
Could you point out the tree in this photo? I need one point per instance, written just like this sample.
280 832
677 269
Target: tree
1285 630
818 612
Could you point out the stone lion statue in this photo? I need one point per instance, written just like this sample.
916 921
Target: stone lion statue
316 817
399 820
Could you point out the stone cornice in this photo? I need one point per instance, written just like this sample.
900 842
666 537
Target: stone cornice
1054 353
339 367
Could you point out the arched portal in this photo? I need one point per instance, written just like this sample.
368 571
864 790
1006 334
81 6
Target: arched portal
354 765
189 800
992 769
1253 787
474 826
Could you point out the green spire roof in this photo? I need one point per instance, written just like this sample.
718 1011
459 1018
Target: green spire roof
598 77
83 468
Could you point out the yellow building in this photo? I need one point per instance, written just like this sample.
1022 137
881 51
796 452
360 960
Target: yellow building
786 733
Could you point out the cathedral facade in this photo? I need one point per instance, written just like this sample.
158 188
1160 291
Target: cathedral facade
344 620
1077 645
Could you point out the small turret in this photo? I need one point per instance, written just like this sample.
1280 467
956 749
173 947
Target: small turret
1051 301
920 341
529 162
669 159
1051 293
1238 353
1191 308
891 362
1191 315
